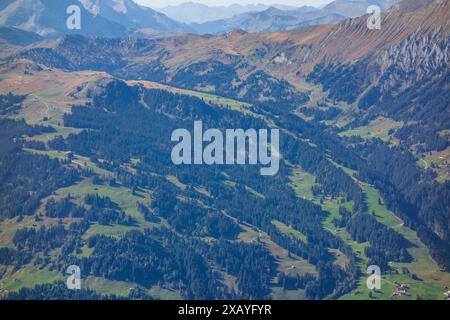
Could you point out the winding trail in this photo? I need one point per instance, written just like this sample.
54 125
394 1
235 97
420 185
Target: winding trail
36 98
426 164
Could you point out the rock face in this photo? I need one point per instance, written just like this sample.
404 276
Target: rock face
416 57
405 77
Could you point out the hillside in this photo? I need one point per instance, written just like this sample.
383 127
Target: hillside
88 180
18 37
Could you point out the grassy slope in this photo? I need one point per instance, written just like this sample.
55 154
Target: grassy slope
50 99
120 195
288 264
28 276
287 230
207 97
438 162
433 281
78 160
378 128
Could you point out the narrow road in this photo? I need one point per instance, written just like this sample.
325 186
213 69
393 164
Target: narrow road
36 98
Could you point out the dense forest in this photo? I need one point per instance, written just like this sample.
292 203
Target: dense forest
115 129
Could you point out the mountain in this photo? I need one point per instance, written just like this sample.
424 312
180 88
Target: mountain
48 19
11 38
132 15
18 37
355 8
108 18
87 176
118 18
269 20
274 19
192 12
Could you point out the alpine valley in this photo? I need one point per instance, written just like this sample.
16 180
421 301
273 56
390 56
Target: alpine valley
86 176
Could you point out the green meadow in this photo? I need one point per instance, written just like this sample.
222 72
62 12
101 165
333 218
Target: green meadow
429 281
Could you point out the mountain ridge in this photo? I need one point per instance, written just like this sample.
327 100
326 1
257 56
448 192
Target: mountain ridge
274 19
192 12
109 18
119 18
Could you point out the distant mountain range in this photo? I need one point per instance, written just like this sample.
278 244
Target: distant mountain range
48 19
109 18
18 37
119 18
132 15
192 12
275 19
269 20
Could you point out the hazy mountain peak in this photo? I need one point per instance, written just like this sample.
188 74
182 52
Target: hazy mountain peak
134 16
273 10
413 5
48 18
193 12
276 18
110 18
120 6
16 36
91 5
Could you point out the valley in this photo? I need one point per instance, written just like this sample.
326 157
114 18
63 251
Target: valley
363 115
